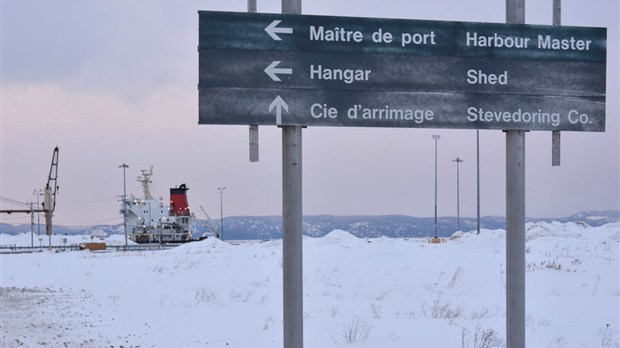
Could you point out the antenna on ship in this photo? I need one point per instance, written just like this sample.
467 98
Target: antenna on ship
145 179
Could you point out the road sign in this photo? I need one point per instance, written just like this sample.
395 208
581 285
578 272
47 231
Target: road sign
397 109
273 69
291 70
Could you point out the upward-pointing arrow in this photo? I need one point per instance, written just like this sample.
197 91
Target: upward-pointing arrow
278 104
273 30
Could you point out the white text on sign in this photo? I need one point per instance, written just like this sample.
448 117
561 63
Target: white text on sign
339 34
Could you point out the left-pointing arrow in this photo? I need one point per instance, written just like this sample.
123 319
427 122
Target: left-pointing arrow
272 70
273 30
278 104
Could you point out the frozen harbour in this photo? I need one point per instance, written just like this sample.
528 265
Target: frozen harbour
357 292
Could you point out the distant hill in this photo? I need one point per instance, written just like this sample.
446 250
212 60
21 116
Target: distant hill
258 227
270 227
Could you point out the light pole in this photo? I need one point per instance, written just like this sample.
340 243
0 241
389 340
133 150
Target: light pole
458 214
38 193
31 225
124 166
436 137
222 211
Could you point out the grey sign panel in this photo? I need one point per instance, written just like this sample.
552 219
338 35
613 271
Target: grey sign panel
266 69
399 109
273 69
278 32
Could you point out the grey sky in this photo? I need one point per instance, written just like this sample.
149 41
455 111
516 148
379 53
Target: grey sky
116 81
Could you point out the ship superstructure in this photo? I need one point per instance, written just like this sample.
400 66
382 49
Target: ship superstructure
150 220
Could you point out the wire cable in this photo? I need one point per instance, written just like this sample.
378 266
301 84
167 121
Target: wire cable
12 201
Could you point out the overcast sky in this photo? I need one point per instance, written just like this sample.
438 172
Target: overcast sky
115 81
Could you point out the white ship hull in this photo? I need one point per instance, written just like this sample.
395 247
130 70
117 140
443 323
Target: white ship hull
150 220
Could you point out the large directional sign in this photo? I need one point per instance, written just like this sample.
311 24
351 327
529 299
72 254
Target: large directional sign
274 69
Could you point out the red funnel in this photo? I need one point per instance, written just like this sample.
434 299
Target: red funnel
178 201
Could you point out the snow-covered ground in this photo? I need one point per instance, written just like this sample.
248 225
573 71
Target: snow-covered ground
362 293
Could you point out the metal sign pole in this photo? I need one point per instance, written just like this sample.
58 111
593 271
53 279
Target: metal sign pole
515 216
253 127
515 239
477 181
292 237
291 224
252 6
555 135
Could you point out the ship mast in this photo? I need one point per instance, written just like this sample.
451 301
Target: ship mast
145 179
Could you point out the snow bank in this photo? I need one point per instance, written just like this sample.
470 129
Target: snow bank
555 229
389 293
337 238
204 246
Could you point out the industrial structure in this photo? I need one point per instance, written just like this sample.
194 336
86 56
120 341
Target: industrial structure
49 197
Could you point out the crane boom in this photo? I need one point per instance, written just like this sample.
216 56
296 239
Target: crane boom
210 224
49 199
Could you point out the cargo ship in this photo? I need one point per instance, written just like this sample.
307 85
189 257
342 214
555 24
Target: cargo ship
150 220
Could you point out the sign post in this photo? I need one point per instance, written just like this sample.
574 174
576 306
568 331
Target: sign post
515 217
253 128
555 135
292 215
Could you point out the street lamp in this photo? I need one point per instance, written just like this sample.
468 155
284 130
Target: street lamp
221 212
38 193
124 166
436 137
31 225
458 215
